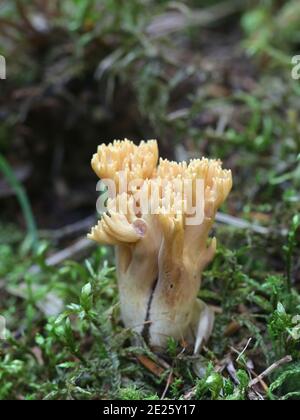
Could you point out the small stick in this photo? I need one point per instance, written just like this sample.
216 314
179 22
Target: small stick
262 382
245 349
151 365
72 251
70 230
243 224
169 382
259 379
267 372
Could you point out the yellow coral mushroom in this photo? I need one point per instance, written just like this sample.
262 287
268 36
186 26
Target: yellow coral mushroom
160 255
137 162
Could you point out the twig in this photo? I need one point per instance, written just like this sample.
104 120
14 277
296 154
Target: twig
259 379
169 382
73 251
51 305
245 349
70 230
240 223
150 365
285 360
262 383
243 224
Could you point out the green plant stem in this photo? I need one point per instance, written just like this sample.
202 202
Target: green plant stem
20 192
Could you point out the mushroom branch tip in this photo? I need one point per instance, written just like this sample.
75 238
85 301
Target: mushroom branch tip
159 223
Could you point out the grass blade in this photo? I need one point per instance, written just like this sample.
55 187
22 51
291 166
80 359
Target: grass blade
20 192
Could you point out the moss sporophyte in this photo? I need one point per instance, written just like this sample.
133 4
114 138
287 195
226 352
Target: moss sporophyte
161 241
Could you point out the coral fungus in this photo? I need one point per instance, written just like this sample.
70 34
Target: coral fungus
159 221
